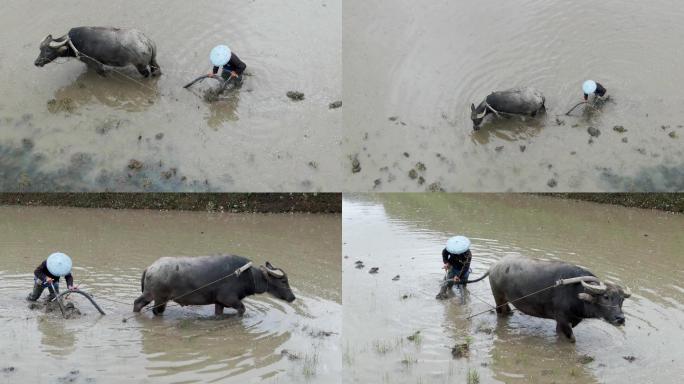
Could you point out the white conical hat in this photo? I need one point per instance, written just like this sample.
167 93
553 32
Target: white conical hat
220 55
59 264
589 87
458 245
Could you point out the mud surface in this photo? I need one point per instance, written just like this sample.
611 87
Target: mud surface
210 202
411 75
395 331
63 127
110 249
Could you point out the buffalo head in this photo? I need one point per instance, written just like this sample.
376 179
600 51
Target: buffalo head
278 285
50 49
477 114
604 300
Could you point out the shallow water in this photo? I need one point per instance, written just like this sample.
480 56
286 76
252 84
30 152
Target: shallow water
110 250
403 234
424 64
85 139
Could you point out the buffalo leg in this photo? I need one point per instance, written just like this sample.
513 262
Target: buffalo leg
502 306
234 303
218 309
239 307
140 302
94 65
563 328
143 70
159 308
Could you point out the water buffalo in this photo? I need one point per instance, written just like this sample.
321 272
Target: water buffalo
100 46
173 278
576 294
518 101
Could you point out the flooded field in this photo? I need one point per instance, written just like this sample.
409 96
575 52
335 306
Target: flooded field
63 127
396 332
275 341
412 70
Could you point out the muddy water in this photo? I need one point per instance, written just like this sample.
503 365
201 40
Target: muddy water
404 235
424 64
64 127
111 248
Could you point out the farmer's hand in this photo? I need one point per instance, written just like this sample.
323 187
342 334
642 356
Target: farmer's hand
456 279
49 280
446 266
211 74
233 74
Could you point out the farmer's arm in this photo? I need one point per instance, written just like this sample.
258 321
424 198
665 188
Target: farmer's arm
445 256
39 272
69 280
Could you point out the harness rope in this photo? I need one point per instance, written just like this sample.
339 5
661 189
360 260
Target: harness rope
487 106
558 283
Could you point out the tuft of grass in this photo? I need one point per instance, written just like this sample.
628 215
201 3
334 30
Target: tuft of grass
384 346
415 337
409 360
310 365
348 356
473 377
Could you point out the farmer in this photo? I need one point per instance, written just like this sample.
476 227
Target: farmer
456 257
233 67
590 86
48 273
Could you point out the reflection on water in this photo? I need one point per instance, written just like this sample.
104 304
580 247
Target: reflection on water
424 64
111 248
403 234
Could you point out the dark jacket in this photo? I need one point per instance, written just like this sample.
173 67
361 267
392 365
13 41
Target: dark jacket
600 91
460 262
42 273
234 64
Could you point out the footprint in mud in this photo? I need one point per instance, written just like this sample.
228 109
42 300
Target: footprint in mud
629 358
374 270
290 355
359 264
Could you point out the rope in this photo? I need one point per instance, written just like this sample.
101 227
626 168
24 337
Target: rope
237 272
487 106
482 300
508 302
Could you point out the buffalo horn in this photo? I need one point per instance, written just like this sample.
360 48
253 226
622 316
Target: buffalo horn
58 43
626 292
273 271
594 289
